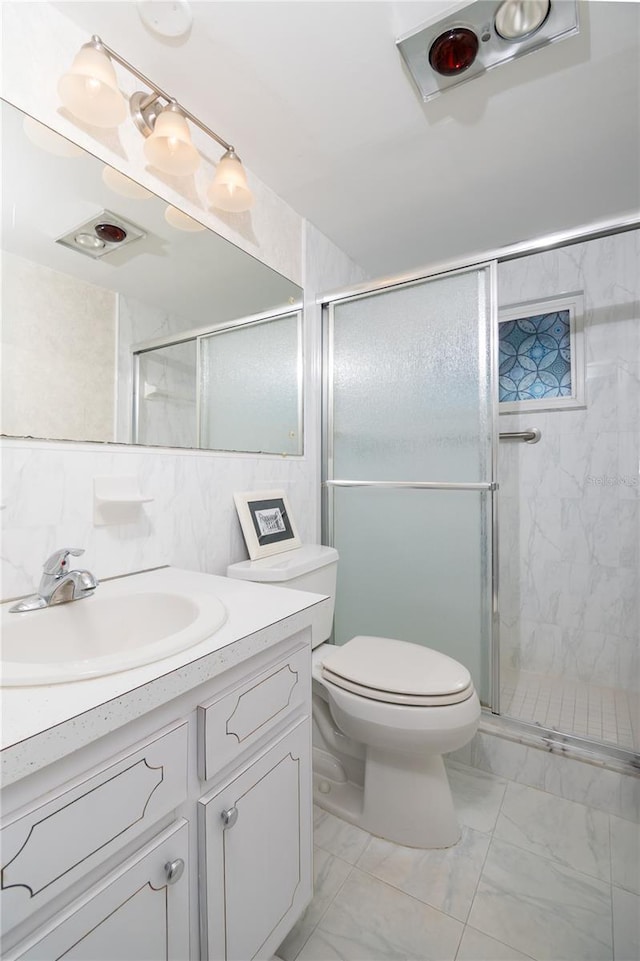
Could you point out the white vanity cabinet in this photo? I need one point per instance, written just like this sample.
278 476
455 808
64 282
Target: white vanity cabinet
185 835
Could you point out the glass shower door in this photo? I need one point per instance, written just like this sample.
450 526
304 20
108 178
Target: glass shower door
409 464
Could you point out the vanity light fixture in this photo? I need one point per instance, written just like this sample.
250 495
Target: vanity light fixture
89 91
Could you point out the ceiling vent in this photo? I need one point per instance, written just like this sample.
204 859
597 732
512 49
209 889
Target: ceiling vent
102 234
481 36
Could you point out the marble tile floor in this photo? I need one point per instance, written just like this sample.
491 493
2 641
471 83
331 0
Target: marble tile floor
534 876
574 707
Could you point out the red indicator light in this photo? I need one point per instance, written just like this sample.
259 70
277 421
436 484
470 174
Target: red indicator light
453 51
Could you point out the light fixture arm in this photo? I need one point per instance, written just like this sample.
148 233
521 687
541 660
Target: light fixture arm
142 104
89 91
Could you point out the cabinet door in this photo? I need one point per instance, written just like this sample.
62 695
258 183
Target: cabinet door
135 914
256 844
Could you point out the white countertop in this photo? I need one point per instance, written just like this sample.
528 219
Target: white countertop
42 723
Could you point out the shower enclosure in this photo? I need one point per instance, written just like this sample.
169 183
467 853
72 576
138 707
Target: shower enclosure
417 483
410 473
569 507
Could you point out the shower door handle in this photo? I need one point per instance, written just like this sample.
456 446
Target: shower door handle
416 485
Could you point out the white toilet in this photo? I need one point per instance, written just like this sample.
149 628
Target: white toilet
384 713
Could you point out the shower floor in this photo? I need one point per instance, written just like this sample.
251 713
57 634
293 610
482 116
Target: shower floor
573 707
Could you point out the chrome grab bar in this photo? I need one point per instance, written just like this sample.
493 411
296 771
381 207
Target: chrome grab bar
530 436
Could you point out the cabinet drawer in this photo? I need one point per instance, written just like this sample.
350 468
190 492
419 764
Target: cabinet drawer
64 835
237 718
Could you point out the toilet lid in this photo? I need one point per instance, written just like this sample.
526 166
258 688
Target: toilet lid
386 669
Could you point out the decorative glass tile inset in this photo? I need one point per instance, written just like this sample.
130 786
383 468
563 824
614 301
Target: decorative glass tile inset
535 357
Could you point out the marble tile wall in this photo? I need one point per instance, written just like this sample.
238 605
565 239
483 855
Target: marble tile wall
168 397
570 505
326 269
572 778
44 315
191 522
139 322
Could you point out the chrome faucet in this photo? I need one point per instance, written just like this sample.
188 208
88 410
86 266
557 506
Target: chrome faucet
58 584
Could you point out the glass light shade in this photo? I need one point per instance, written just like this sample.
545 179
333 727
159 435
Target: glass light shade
517 19
89 240
169 147
90 89
229 190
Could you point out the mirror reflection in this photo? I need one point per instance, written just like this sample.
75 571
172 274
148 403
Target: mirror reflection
168 335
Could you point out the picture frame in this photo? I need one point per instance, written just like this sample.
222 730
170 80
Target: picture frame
267 523
541 355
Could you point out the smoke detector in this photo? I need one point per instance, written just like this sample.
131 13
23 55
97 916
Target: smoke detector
482 36
105 232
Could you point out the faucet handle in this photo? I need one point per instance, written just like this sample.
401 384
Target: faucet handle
57 563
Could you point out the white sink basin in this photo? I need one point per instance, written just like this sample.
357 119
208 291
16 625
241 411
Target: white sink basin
103 634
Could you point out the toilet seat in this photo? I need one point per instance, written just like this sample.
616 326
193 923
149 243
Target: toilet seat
396 672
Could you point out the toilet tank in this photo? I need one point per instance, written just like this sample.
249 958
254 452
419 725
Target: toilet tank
312 567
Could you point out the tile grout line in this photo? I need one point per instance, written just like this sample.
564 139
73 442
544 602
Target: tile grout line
613 927
551 860
491 837
390 884
330 904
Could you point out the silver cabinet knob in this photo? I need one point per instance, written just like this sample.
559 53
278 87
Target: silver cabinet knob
174 870
229 817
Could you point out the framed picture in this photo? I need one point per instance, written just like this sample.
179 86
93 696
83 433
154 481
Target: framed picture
542 365
266 521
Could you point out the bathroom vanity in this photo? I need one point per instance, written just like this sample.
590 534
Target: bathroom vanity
165 811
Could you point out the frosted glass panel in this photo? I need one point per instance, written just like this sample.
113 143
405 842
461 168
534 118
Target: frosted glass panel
411 399
251 384
167 396
414 565
410 382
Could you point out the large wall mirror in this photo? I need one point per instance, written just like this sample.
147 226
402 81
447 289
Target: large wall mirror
170 336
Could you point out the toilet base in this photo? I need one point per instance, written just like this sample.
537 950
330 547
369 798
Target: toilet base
407 800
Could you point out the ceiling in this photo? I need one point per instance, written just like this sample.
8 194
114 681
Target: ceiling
320 106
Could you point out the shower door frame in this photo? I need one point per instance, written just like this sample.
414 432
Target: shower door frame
517 729
199 334
490 487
